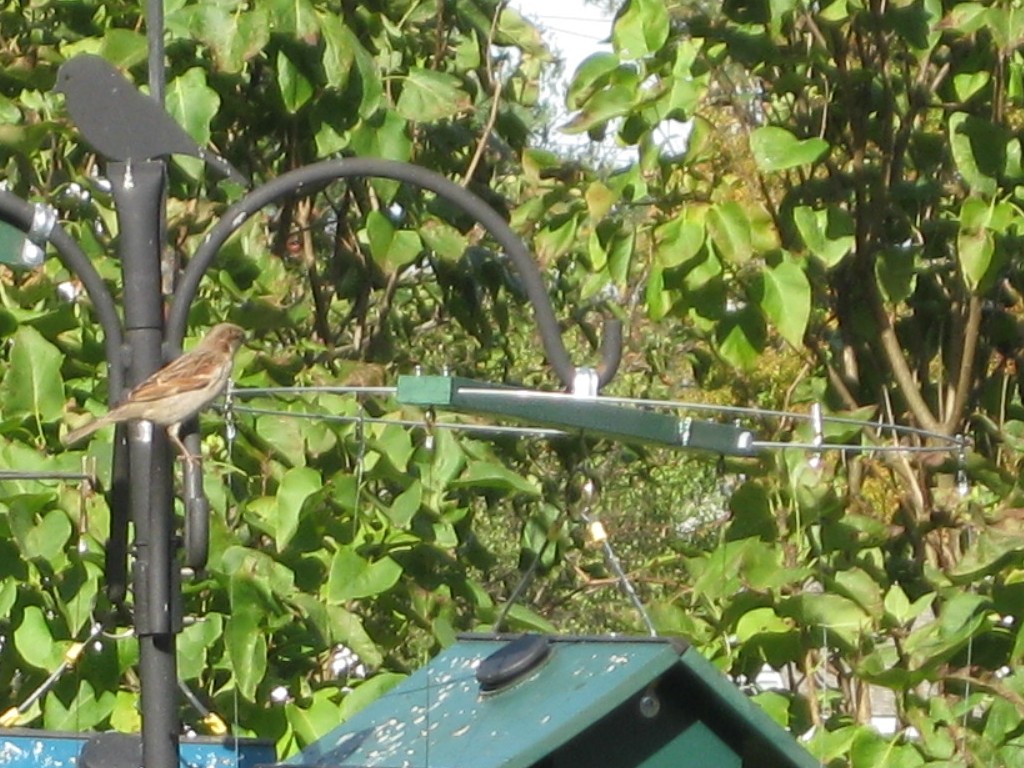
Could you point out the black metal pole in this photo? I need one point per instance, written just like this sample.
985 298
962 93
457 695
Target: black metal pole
138 194
155 37
311 177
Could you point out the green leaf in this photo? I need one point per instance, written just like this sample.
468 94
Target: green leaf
741 337
827 233
87 709
34 641
522 618
641 29
514 29
391 248
482 474
366 693
295 88
126 716
339 53
195 641
761 621
600 200
316 718
444 240
297 485
33 385
967 84
428 96
729 228
976 252
124 47
787 301
383 135
839 615
608 103
47 539
353 578
246 644
776 149
406 505
193 104
233 36
294 18
591 76
979 151
678 240
895 269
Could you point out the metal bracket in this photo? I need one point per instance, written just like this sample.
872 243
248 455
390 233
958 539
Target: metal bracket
575 414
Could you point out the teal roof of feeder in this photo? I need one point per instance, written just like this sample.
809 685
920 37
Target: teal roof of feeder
561 701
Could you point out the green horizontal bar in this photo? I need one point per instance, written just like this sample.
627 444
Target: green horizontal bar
587 415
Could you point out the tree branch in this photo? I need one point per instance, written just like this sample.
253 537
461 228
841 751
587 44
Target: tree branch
495 84
972 331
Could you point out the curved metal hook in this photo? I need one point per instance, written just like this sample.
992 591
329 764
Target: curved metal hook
327 171
21 214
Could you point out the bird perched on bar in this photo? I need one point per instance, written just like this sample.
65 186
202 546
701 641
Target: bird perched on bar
177 391
121 122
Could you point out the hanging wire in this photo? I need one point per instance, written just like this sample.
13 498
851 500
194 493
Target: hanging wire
599 534
71 657
214 722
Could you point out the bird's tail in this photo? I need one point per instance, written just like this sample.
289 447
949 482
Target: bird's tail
83 432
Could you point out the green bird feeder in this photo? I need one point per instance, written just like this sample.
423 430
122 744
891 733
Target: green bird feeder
553 702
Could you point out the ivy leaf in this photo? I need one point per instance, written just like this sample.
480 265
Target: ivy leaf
87 709
295 18
124 47
294 86
234 37
354 578
193 104
483 474
428 96
33 384
339 53
297 485
34 641
246 645
391 248
776 149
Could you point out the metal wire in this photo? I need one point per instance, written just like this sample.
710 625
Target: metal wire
344 419
14 474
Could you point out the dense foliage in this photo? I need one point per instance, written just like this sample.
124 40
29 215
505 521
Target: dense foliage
840 229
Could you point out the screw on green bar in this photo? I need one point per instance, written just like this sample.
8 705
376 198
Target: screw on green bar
587 415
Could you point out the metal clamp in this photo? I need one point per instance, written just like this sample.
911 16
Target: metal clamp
44 219
585 383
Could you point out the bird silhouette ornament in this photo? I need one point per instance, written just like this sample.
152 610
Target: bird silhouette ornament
122 123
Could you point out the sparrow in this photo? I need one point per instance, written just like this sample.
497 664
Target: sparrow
122 123
177 391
